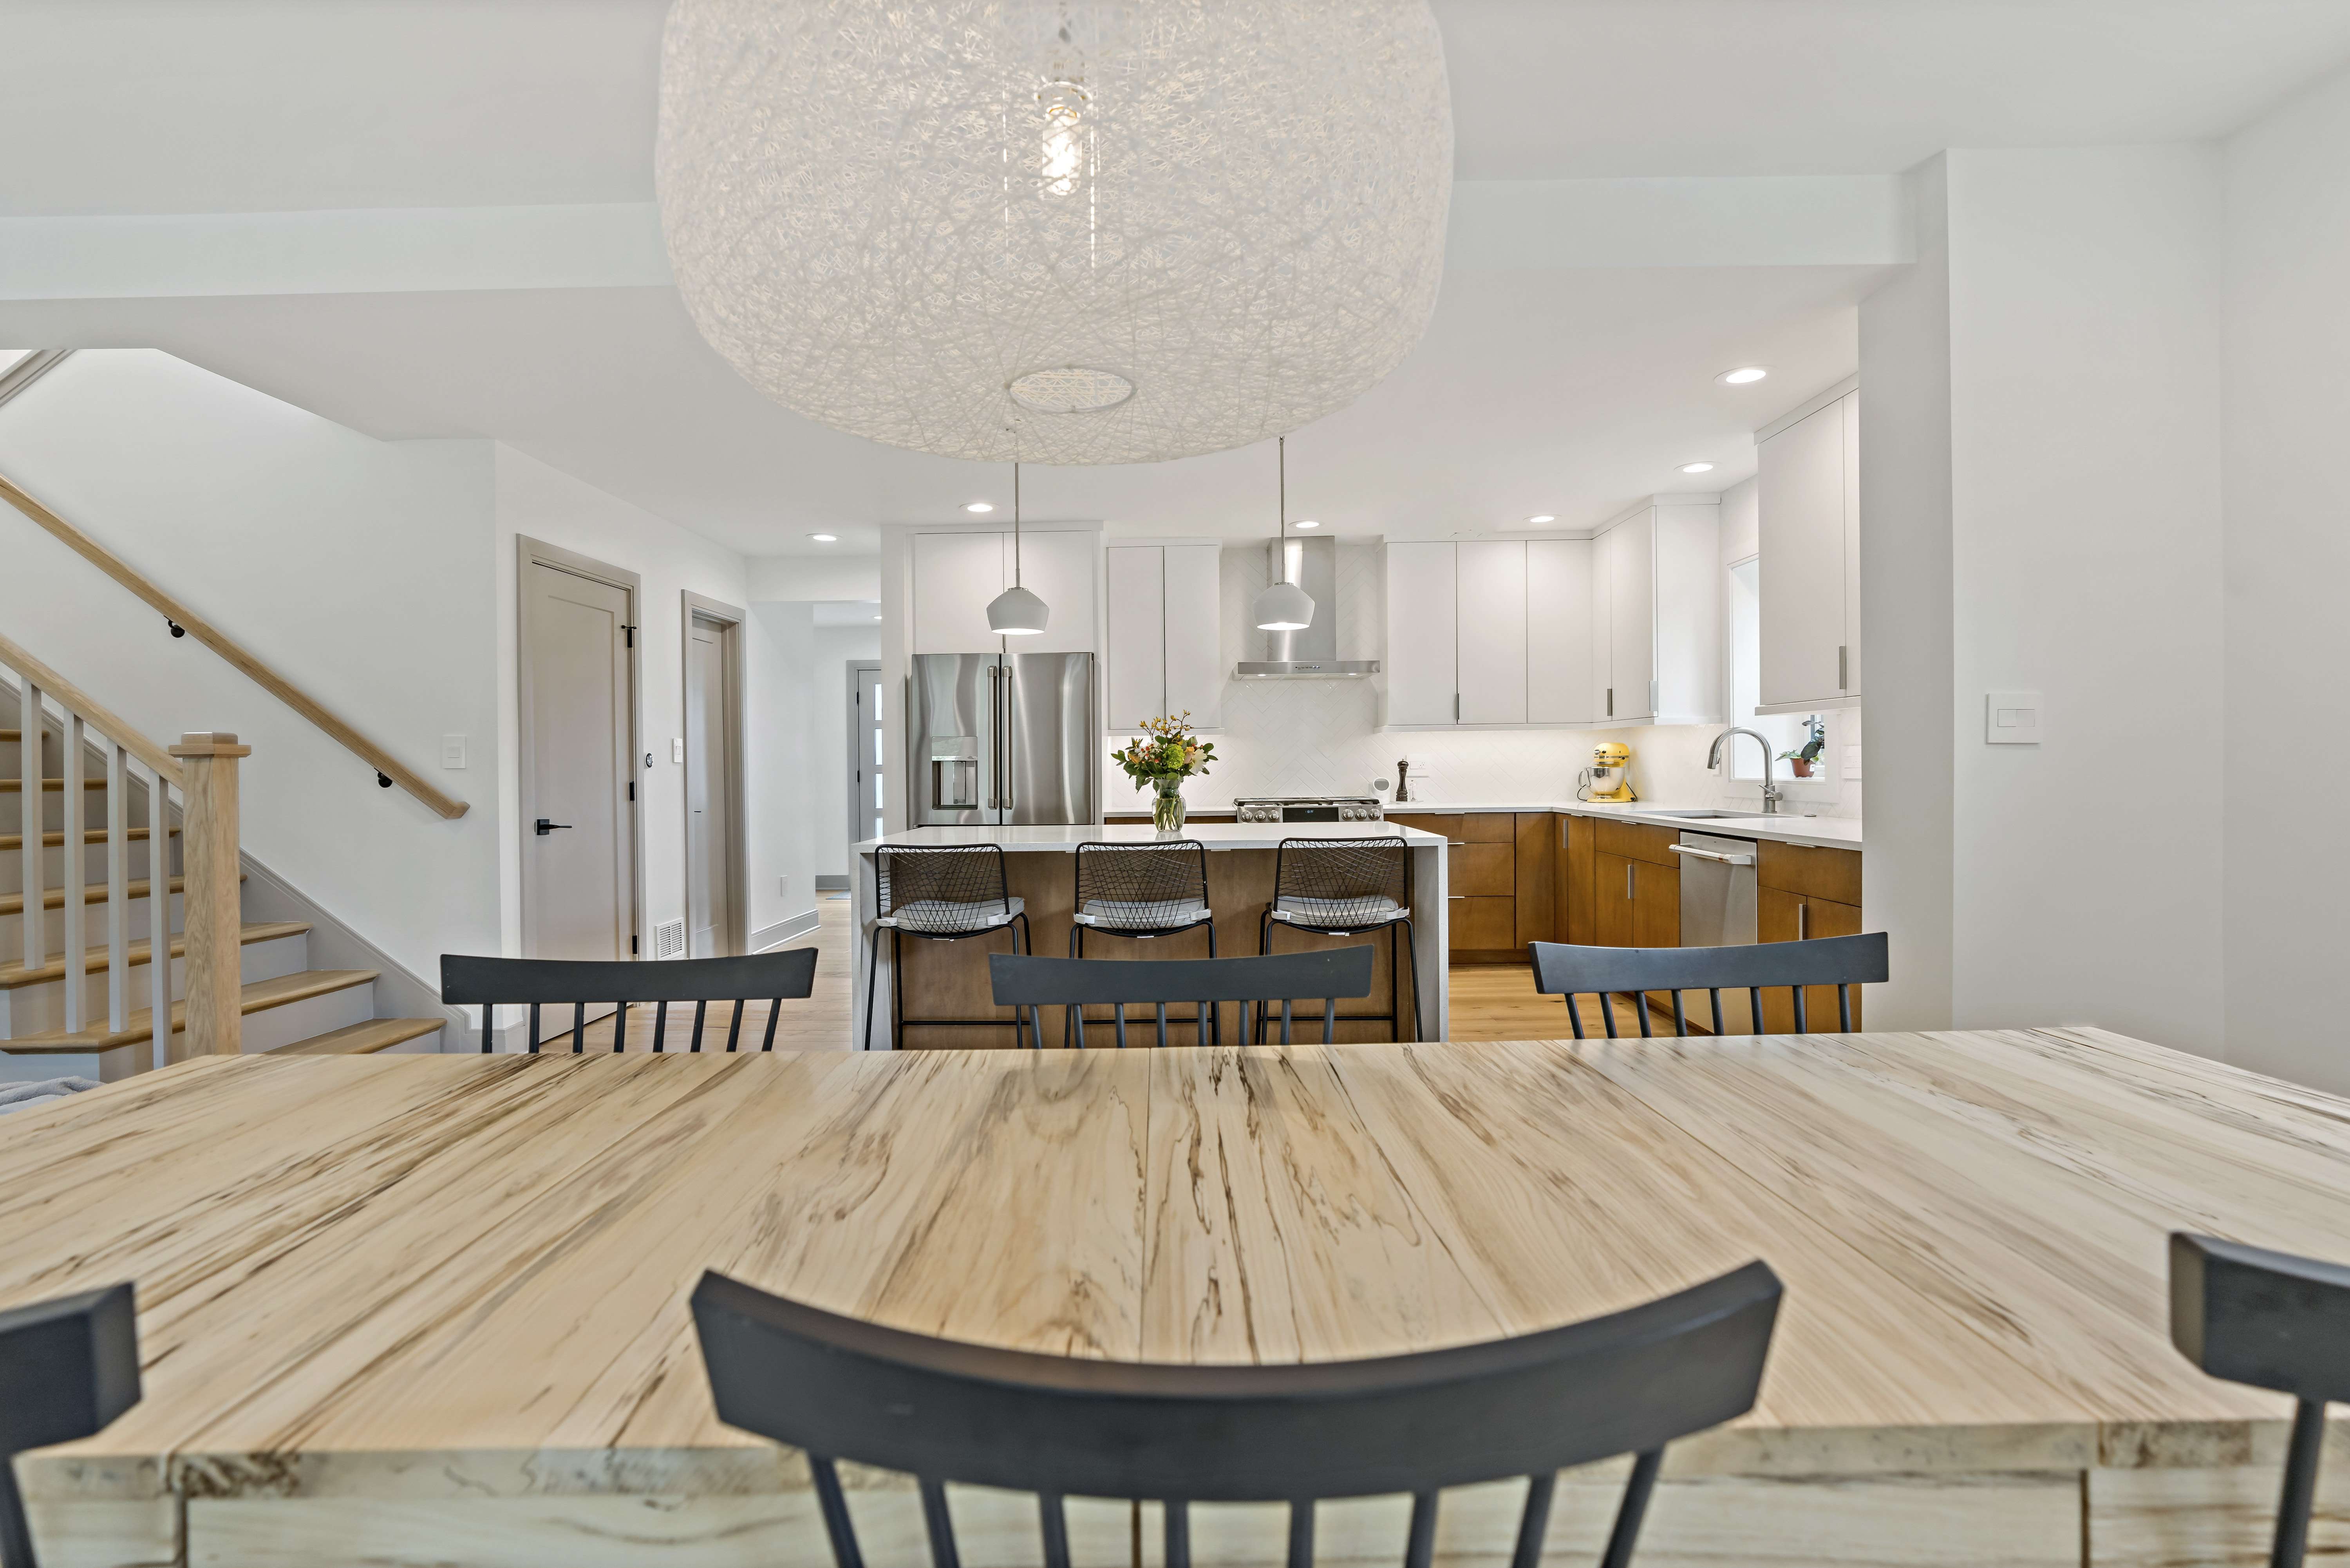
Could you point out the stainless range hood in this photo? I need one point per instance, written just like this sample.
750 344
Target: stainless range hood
1311 654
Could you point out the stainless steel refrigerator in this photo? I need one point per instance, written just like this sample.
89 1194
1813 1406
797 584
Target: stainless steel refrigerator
1003 740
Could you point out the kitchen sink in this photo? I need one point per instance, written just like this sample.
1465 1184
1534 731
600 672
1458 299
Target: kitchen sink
1725 816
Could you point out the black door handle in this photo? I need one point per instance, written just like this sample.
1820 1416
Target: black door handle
543 826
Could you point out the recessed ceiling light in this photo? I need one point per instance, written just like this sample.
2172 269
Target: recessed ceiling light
1744 376
1305 522
1546 517
825 538
981 507
1697 467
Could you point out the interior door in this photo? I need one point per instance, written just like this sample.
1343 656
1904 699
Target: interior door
708 769
578 847
866 801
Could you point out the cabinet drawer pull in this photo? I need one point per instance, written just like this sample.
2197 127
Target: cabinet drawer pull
1710 855
1455 843
1456 895
1628 878
1801 923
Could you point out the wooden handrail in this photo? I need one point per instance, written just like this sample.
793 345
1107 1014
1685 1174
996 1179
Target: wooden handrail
204 632
109 723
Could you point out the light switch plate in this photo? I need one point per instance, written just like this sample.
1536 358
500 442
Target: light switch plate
676 749
452 752
2011 718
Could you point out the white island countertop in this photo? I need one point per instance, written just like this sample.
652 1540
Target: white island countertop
1214 834
1785 828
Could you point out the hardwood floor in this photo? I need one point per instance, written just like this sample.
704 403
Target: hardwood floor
818 1024
1490 1002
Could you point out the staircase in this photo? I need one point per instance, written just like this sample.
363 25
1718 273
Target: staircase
93 846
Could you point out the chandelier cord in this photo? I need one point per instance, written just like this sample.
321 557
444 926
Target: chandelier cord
1016 522
1281 447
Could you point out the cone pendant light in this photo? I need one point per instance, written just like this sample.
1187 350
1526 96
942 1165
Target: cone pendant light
1015 612
1284 606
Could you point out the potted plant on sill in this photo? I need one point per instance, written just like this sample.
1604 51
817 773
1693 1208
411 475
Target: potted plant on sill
1167 752
1806 757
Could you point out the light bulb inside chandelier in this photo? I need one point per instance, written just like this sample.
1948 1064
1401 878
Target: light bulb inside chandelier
1284 606
1149 231
1016 612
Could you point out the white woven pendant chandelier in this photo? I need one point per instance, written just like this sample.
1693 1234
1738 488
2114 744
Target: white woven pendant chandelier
1060 231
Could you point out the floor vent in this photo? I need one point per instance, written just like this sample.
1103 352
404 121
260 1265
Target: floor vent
669 940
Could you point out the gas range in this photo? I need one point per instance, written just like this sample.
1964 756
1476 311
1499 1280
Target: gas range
1311 808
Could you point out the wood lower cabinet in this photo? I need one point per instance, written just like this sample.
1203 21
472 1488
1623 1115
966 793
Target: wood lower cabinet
1577 897
1498 877
1537 893
1780 916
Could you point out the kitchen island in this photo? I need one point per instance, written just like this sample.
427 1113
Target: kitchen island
946 979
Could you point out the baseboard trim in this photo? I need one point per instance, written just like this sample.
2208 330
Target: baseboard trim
781 932
826 882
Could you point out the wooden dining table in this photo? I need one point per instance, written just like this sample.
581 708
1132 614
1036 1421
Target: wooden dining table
432 1310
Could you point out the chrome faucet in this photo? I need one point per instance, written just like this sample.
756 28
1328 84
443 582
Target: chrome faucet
1771 794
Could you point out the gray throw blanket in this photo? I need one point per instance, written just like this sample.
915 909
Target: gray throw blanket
22 1096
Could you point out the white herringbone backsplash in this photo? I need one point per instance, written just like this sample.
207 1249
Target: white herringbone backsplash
1322 737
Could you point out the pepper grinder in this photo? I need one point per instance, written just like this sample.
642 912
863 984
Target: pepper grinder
1403 781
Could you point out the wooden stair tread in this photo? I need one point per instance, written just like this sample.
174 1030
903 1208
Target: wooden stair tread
53 787
255 996
358 1039
91 893
56 840
13 975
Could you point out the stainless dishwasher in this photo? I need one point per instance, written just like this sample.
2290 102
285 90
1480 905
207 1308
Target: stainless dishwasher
1717 890
1717 909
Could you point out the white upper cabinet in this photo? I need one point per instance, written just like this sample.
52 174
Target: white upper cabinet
1656 644
1165 647
1490 616
1137 655
1558 632
1808 507
1195 639
1059 567
955 576
1421 672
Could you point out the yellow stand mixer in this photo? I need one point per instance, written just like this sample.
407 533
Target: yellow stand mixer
1609 776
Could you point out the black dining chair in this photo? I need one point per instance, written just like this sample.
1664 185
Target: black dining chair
1569 969
940 893
1346 887
1026 983
942 1410
2271 1320
492 982
68 1368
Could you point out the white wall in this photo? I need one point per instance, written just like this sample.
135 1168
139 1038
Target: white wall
360 569
545 504
795 579
2287 560
2083 389
835 648
782 647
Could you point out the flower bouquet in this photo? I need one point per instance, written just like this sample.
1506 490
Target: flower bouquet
1167 752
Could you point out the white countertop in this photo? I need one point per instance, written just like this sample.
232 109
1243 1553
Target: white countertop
1214 834
1787 827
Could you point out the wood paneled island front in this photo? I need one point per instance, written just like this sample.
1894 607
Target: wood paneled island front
949 979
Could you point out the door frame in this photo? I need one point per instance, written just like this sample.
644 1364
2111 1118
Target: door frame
859 819
731 620
529 553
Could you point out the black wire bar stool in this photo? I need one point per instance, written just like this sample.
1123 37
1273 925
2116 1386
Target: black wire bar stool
1028 984
942 894
1346 887
1144 891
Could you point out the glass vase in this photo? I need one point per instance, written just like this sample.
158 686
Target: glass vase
1167 808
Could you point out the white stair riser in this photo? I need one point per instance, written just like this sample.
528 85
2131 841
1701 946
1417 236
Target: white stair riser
423 1046
94 932
276 1026
53 809
93 864
35 1009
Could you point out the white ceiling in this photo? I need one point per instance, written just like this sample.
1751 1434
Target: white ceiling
1570 390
